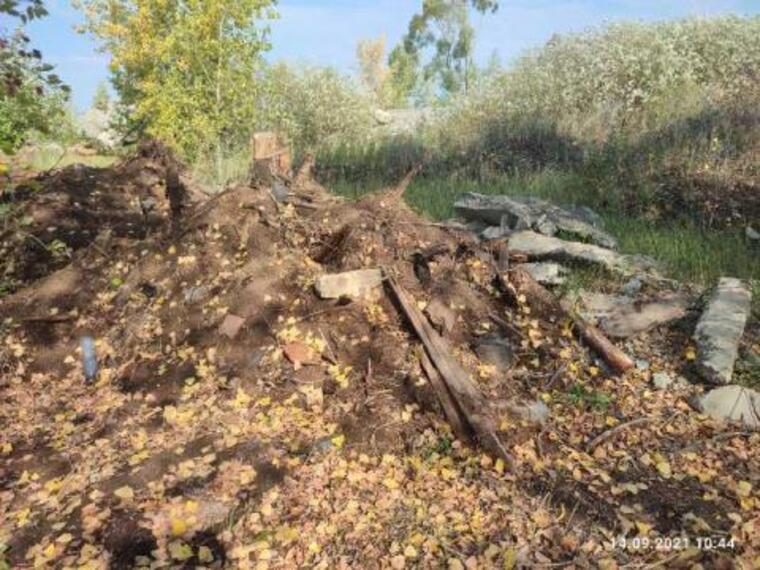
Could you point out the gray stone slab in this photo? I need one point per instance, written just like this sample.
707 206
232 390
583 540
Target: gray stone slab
731 403
511 214
621 317
540 247
546 273
720 329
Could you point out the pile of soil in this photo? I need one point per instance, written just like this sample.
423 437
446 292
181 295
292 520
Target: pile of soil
240 420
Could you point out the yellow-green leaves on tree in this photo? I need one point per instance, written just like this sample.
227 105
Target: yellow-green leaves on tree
186 68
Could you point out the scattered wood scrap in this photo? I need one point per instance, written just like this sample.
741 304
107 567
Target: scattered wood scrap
466 396
520 282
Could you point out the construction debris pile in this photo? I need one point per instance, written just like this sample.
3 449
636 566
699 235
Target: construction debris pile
285 379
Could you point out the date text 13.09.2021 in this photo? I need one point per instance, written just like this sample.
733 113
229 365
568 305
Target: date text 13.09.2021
673 543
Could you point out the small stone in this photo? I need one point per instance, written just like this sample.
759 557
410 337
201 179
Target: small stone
195 294
442 317
280 191
535 412
495 351
642 364
382 117
495 232
353 284
231 326
752 234
731 403
632 287
662 380
622 317
546 273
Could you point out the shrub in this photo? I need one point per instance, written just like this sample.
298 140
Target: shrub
314 107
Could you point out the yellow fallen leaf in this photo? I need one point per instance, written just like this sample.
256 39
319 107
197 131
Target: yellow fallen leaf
510 559
6 448
178 550
178 526
125 493
338 441
205 555
22 517
663 467
744 488
49 551
643 527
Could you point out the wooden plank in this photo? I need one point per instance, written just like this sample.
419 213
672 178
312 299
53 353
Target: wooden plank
469 399
450 408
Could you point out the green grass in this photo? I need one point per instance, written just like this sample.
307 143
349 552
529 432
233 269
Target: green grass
45 158
687 252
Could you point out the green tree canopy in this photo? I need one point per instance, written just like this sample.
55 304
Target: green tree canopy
31 95
440 35
101 100
185 68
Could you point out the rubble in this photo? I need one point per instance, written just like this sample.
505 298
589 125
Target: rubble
231 326
623 317
540 247
662 380
352 284
547 273
456 381
506 215
442 317
720 329
732 403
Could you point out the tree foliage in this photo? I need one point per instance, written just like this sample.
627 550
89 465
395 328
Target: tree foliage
31 95
101 100
442 37
186 69
312 106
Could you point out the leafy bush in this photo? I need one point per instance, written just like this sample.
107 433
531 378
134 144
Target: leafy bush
621 81
314 107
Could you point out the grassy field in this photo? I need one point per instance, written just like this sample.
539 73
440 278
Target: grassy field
39 159
688 252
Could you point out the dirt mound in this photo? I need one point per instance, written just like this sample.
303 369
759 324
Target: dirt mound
239 419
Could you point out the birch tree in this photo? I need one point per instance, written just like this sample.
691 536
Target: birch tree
185 68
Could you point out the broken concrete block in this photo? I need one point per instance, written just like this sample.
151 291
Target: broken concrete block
623 317
720 329
520 213
499 211
354 284
535 412
731 403
662 380
539 247
632 287
546 273
441 316
231 326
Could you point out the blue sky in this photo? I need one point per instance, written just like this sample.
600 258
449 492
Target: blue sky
326 31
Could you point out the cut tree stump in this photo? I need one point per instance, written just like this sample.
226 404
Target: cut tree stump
271 158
